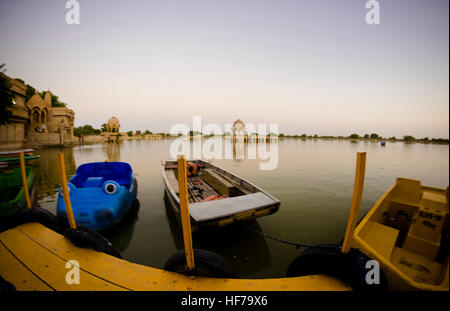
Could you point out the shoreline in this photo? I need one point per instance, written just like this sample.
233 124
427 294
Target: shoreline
280 138
98 141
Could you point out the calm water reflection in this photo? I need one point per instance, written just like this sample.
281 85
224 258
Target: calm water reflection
313 181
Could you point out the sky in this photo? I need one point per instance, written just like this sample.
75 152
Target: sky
310 66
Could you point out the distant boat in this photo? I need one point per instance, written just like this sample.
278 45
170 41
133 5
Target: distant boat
17 158
15 153
12 195
383 143
101 194
217 197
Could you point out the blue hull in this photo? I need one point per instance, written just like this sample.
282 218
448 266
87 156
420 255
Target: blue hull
101 194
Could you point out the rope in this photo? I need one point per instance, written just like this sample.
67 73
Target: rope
297 245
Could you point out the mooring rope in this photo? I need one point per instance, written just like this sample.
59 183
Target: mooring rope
297 245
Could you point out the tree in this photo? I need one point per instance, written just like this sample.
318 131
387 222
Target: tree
85 130
29 92
55 99
303 136
354 136
103 128
408 138
440 140
194 133
147 132
130 133
56 102
89 130
6 99
77 131
373 136
366 135
138 133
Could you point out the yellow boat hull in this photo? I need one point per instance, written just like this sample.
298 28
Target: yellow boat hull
406 231
33 257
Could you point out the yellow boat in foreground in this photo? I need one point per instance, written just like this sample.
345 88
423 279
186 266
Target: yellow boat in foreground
407 233
33 257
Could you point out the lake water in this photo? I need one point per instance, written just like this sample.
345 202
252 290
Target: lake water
313 180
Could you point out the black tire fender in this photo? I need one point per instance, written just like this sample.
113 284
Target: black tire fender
328 259
206 263
36 214
85 237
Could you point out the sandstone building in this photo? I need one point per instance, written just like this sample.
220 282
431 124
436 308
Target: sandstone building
35 123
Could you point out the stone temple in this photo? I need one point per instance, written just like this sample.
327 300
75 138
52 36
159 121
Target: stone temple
35 123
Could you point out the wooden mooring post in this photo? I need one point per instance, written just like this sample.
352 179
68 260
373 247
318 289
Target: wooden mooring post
356 201
184 209
24 180
65 191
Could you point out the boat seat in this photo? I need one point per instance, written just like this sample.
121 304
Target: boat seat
93 182
120 172
407 191
424 234
98 181
220 184
203 211
382 238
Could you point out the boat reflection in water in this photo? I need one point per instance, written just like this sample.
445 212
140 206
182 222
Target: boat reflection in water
121 234
47 173
247 251
112 150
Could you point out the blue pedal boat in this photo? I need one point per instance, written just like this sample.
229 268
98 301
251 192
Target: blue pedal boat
101 194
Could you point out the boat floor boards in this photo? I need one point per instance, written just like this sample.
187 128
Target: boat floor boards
198 189
33 257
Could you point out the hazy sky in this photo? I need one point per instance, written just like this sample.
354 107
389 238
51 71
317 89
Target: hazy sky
311 66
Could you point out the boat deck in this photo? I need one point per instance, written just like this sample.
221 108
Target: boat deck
33 257
198 189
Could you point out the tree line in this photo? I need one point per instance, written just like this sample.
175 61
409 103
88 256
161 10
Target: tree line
88 129
373 136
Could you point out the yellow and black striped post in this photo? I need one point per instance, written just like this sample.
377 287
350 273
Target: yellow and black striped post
65 190
356 201
24 180
184 209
